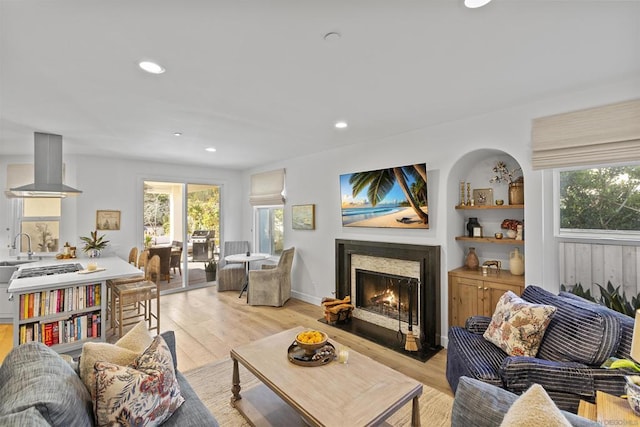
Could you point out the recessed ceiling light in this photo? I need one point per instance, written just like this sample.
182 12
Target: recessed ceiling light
210 149
151 67
177 134
341 125
473 4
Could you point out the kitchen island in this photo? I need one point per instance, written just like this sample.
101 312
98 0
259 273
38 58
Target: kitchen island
63 310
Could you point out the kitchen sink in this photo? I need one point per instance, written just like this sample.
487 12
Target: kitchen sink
8 267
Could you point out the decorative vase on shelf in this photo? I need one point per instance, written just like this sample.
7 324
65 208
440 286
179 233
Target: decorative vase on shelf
516 262
516 193
473 222
471 261
93 253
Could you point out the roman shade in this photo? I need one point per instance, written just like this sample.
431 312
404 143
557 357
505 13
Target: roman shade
606 134
267 188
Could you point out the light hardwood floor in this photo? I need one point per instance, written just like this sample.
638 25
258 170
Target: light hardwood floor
208 324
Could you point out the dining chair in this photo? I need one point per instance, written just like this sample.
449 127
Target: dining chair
231 276
165 261
272 286
133 255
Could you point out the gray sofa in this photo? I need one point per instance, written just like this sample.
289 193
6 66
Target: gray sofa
39 388
579 338
480 404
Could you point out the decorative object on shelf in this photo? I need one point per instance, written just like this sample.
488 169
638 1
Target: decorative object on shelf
514 178
498 236
519 231
499 202
472 262
516 262
94 245
473 222
483 196
462 202
516 192
477 231
468 194
210 270
511 225
107 220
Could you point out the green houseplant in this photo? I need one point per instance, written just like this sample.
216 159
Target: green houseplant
94 244
210 269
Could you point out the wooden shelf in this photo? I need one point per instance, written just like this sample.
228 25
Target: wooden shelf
490 207
503 241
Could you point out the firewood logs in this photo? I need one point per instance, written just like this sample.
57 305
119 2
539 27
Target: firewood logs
337 310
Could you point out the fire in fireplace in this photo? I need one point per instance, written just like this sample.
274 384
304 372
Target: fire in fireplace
388 295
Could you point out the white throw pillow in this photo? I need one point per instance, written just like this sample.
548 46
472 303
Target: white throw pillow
534 408
123 352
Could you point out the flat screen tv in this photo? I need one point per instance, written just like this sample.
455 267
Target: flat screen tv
389 198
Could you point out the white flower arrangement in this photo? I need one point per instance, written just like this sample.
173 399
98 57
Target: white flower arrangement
504 174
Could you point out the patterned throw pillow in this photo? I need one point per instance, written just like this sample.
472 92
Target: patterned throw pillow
144 393
517 326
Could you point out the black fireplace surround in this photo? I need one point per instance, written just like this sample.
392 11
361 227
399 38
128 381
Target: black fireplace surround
429 259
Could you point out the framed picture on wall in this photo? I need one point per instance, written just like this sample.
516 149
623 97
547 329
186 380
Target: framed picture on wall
107 220
303 217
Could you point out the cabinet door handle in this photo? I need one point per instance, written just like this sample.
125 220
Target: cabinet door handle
486 289
480 287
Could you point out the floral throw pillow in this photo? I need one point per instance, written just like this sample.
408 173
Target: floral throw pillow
517 326
145 393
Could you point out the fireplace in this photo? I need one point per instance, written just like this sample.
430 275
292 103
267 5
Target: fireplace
392 286
387 295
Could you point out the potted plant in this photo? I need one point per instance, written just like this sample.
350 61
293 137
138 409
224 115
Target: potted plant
514 178
94 244
210 269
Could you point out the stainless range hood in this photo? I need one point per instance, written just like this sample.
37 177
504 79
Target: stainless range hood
47 168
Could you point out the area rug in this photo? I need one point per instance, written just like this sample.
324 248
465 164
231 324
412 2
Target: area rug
212 383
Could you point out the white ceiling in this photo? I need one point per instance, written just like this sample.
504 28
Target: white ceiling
256 80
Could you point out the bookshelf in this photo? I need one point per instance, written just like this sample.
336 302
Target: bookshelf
61 316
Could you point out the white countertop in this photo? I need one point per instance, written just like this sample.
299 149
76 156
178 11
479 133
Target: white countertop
113 267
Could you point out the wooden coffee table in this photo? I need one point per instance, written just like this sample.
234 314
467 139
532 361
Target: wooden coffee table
361 392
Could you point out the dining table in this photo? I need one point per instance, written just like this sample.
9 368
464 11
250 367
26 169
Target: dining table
246 259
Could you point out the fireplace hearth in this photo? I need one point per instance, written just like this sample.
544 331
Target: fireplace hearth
383 305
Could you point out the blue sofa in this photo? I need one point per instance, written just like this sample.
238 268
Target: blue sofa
39 388
579 338
480 404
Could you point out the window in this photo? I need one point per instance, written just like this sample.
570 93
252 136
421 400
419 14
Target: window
40 219
269 229
599 202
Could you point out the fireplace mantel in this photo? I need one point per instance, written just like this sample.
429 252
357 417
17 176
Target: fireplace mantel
429 259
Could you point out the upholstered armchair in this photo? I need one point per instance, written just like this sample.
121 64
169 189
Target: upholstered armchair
231 276
165 261
272 286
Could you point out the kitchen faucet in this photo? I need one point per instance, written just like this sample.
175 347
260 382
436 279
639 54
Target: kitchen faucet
29 253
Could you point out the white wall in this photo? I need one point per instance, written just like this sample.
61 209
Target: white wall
116 184
314 179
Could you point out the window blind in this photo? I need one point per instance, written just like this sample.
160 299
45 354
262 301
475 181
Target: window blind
606 134
267 188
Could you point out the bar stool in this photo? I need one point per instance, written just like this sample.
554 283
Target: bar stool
138 293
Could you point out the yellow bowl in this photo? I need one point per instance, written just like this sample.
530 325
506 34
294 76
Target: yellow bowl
311 340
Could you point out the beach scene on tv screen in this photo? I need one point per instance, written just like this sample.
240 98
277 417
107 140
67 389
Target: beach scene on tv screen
388 198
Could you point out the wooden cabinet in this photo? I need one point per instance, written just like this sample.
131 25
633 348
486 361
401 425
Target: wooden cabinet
471 293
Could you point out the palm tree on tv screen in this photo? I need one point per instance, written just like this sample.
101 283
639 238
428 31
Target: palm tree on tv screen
380 182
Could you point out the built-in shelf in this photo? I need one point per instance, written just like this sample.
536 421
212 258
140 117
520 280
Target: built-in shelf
503 241
490 207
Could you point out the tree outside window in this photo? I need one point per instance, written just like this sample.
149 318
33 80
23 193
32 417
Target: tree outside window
603 199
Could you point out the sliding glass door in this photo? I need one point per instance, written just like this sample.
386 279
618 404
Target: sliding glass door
189 225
